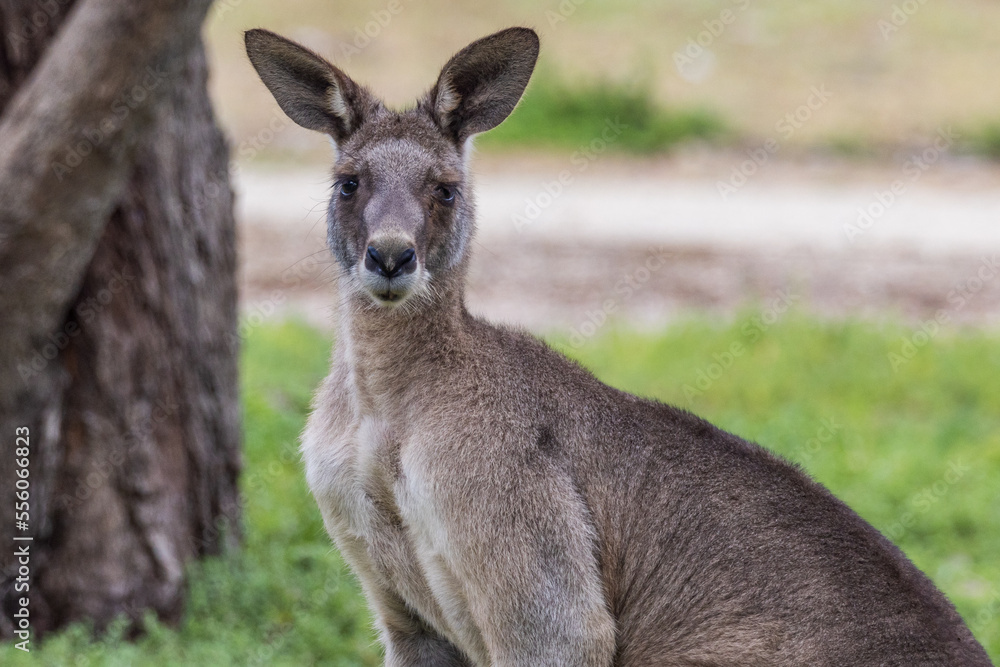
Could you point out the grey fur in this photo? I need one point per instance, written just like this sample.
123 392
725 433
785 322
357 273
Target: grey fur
501 506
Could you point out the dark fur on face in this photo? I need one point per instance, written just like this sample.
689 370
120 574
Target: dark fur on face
409 181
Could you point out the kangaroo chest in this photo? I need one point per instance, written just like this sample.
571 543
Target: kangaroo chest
358 497
378 511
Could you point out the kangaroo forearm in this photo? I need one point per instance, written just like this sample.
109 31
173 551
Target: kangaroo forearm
421 650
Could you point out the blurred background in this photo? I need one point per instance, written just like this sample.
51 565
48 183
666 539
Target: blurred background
818 183
760 141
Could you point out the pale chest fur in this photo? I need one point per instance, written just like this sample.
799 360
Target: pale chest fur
374 493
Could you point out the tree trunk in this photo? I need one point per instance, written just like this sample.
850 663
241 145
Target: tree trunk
117 308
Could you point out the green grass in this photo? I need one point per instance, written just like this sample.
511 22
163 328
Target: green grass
922 442
984 141
599 116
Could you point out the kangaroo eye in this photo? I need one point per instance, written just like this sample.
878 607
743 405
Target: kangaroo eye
445 194
348 187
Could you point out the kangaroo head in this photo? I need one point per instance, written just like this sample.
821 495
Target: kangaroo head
401 214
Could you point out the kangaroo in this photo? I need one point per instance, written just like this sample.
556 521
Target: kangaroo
501 506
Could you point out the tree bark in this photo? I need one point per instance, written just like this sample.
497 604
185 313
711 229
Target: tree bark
117 307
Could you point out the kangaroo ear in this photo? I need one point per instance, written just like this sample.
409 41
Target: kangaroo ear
483 82
313 93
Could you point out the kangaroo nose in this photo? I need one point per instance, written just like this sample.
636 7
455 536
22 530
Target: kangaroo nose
388 265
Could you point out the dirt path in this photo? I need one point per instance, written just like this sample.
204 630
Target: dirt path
566 246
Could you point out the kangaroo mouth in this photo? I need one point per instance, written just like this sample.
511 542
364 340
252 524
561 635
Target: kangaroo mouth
387 292
389 297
